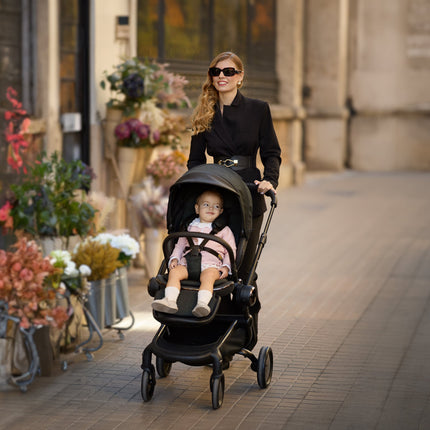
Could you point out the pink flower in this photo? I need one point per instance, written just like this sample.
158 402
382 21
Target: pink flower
16 267
134 124
26 274
122 131
156 135
143 131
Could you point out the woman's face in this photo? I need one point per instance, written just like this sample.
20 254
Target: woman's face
226 84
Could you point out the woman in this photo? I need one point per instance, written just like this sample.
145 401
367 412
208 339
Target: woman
232 129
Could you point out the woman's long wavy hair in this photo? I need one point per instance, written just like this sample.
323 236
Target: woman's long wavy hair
205 109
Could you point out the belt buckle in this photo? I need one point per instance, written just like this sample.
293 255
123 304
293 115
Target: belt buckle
228 162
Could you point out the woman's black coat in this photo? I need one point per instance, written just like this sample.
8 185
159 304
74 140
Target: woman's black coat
244 128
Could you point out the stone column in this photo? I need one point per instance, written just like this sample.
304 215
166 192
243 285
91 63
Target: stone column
288 117
325 83
48 73
389 87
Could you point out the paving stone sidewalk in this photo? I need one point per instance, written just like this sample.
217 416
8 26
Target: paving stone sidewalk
345 285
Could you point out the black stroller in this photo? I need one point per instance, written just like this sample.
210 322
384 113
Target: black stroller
231 326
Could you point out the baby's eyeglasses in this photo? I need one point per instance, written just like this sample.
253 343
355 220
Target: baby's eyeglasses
214 207
228 71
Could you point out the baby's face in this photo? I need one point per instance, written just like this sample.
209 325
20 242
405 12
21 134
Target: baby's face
208 207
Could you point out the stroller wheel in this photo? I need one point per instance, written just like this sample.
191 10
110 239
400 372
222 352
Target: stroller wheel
163 367
148 384
217 388
265 366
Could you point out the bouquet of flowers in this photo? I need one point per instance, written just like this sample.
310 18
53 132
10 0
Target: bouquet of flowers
25 286
127 246
68 274
135 134
151 204
134 82
101 258
167 167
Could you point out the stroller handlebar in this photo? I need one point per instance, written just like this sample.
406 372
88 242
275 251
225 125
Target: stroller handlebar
271 193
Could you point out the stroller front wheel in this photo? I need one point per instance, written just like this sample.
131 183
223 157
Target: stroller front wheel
217 388
147 384
265 366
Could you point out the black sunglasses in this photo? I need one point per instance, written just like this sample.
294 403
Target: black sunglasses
228 71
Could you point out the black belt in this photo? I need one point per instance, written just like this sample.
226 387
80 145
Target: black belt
236 162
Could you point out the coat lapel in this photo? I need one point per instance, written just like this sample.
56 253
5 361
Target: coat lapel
221 131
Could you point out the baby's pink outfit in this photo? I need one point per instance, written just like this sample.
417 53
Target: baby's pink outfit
208 259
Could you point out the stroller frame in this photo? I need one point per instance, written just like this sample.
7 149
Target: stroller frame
211 340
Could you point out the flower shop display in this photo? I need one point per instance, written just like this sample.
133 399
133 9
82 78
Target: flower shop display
50 201
144 91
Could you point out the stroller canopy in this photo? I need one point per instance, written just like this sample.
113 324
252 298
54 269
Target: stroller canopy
237 198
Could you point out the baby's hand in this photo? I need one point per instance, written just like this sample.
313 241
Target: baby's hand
173 263
223 272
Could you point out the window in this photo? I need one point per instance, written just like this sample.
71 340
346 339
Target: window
187 34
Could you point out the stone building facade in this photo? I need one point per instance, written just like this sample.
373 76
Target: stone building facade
350 82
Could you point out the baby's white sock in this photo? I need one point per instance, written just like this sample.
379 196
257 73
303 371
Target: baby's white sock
204 296
171 293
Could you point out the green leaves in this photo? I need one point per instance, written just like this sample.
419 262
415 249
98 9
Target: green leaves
51 199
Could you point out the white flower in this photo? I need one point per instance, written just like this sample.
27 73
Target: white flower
60 256
84 270
104 238
71 270
126 244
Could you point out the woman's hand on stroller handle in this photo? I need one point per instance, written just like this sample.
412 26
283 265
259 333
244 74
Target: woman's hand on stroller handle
271 192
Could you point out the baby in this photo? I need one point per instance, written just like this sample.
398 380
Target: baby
208 207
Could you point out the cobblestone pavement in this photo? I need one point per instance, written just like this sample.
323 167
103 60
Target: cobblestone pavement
345 285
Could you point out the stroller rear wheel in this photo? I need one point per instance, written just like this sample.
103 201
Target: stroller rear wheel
265 366
163 367
147 384
217 388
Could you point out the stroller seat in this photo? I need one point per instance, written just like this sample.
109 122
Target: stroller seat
187 300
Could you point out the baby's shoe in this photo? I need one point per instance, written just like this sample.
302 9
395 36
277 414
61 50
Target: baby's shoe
165 305
201 310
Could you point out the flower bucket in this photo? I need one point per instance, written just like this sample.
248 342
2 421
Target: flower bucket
126 164
110 300
96 301
143 157
122 303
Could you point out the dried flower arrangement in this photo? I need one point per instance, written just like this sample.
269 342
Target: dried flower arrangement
167 167
127 246
151 204
25 285
101 258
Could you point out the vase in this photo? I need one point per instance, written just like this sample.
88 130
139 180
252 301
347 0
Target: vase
113 118
122 303
52 243
110 300
126 165
153 244
96 301
143 157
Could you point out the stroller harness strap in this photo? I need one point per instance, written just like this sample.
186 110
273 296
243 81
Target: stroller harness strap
193 257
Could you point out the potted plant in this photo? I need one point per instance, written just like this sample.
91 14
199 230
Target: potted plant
128 250
50 201
32 298
135 82
103 260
